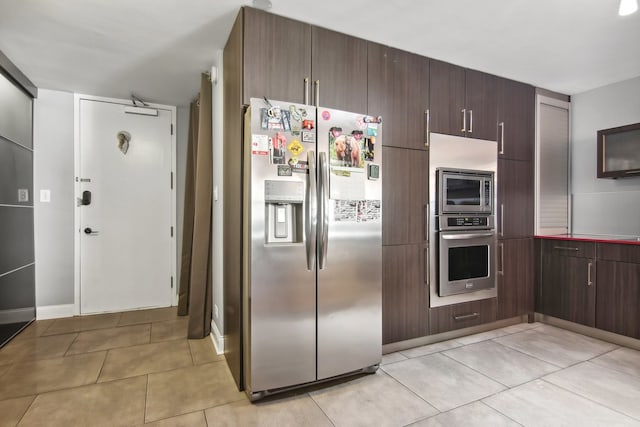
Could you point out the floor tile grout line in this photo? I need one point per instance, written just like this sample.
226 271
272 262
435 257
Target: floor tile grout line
481 401
476 371
412 391
320 407
527 354
146 398
104 362
27 410
590 400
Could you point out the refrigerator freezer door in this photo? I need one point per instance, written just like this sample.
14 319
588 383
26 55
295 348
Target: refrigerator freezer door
280 329
350 275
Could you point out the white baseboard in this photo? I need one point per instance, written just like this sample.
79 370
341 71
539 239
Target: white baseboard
55 311
16 315
217 338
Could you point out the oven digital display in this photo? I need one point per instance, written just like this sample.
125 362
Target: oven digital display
468 262
461 192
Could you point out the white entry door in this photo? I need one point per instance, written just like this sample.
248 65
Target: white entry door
126 246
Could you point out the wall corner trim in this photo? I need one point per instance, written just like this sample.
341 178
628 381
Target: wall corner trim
54 311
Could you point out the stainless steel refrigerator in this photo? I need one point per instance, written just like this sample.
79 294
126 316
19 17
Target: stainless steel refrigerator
312 249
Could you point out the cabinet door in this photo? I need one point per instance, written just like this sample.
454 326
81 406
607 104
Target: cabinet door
463 315
516 115
515 199
405 294
277 57
565 291
515 278
399 92
482 105
447 97
618 298
339 65
405 189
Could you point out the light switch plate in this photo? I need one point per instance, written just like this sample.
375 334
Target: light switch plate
45 196
23 195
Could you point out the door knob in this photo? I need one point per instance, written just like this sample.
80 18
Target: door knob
88 230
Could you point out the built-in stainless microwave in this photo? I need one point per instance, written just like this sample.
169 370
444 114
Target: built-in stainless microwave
464 191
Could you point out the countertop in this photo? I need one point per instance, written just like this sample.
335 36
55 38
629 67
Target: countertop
591 238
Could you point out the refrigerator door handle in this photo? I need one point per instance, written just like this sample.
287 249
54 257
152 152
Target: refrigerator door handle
323 209
311 212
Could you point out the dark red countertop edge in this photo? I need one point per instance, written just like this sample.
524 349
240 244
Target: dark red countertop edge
582 238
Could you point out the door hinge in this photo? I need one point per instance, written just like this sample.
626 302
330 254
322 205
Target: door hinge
172 231
171 128
172 180
171 282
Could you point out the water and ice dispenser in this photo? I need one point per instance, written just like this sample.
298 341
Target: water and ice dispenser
283 211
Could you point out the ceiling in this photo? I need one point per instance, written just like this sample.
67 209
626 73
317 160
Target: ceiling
157 48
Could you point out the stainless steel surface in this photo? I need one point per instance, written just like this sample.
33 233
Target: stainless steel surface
484 178
470 121
552 167
323 175
306 90
281 321
464 153
452 240
350 288
307 323
311 212
501 125
589 281
427 119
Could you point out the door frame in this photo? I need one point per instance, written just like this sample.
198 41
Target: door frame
76 216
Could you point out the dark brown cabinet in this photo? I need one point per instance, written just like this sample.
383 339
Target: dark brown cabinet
618 296
514 213
462 102
567 288
399 92
463 315
276 57
339 70
404 293
516 120
292 61
405 194
515 278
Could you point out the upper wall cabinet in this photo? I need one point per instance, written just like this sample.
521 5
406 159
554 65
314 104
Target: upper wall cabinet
399 92
619 151
516 120
277 57
462 102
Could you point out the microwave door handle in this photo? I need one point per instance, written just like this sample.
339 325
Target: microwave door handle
466 236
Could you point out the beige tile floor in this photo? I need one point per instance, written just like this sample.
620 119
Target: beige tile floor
138 367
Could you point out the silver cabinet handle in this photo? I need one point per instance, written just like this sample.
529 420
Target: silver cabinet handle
501 126
589 281
501 271
426 222
317 85
501 219
464 120
469 316
470 121
311 212
426 265
566 248
306 91
427 119
323 209
466 236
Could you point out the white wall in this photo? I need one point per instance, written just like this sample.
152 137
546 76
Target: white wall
603 206
53 169
218 298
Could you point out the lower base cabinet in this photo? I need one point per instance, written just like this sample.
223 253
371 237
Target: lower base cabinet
515 278
405 295
463 315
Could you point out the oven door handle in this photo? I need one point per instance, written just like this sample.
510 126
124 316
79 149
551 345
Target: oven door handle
466 236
